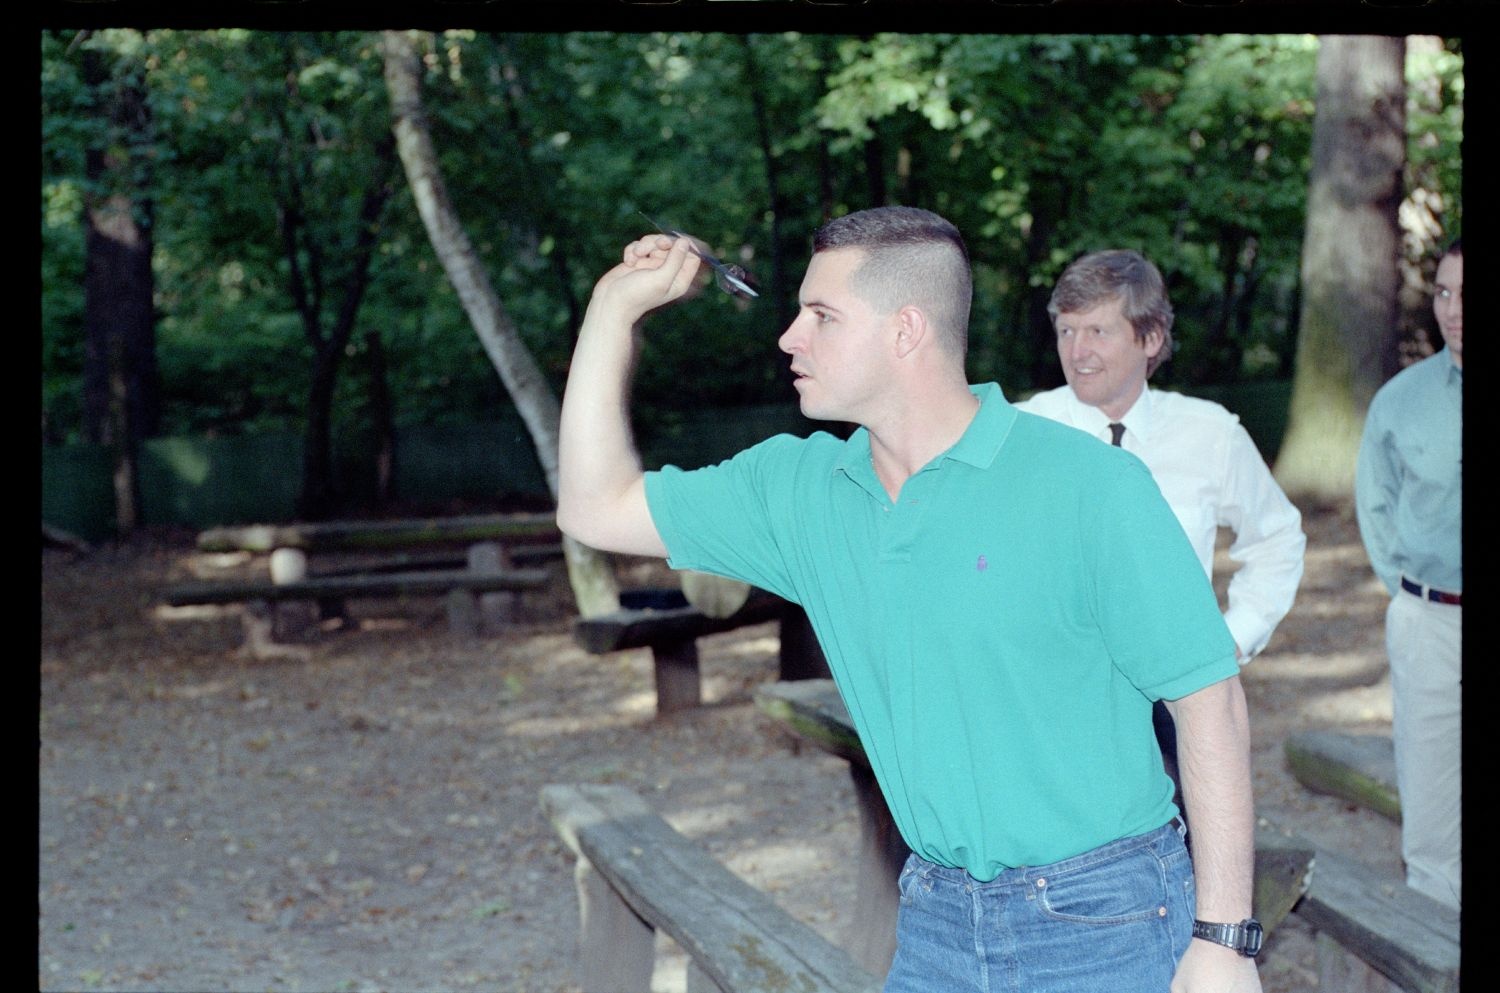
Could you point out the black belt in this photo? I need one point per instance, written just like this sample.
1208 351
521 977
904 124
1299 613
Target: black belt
1428 593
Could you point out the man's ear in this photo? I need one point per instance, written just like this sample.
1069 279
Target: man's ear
911 330
1153 343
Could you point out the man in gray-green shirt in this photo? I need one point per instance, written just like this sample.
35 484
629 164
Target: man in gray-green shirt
1000 600
1409 496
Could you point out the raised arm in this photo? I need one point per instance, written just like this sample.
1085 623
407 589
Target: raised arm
601 489
1213 749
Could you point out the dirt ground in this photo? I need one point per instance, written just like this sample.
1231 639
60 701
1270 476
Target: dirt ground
367 820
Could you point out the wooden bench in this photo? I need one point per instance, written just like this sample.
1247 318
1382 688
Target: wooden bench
813 711
424 561
1360 768
1375 934
407 566
636 875
671 630
464 589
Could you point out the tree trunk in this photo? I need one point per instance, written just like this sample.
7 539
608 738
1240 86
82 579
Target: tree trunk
1350 276
589 571
780 293
1219 355
1046 370
382 419
874 171
122 385
319 498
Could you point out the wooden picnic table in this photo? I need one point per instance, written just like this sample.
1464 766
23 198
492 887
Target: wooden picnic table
390 558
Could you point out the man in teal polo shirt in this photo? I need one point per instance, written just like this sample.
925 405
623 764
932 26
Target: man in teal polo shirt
1000 599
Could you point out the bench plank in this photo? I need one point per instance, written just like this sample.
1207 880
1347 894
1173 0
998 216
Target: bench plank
735 935
366 535
1283 872
423 582
814 710
431 561
1360 768
1404 935
672 633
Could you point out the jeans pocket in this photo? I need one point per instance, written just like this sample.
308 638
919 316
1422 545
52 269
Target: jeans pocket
913 878
1122 890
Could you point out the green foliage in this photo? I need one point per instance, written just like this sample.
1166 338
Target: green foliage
1434 127
1193 149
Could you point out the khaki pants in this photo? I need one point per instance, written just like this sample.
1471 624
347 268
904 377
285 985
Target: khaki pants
1423 641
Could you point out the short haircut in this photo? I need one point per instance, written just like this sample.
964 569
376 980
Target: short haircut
1455 247
1124 275
912 256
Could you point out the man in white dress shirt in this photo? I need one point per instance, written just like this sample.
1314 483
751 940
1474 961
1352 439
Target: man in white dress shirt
1114 328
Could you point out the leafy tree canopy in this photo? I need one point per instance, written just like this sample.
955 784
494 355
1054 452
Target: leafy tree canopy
1193 149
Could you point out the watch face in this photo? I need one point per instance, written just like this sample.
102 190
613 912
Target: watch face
1254 935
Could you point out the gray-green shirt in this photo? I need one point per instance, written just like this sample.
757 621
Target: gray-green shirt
1409 482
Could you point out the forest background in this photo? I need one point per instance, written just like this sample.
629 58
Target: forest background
230 248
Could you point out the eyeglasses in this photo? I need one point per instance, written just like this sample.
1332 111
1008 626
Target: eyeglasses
731 278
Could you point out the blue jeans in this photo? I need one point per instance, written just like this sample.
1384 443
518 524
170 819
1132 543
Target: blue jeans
1113 920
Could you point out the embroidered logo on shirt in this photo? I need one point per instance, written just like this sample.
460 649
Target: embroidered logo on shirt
982 564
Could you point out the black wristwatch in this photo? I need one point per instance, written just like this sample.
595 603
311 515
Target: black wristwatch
1244 937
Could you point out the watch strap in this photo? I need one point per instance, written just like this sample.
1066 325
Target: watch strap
1244 937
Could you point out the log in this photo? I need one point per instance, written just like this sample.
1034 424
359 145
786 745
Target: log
1360 768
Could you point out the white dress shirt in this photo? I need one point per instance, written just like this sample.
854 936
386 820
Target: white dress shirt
1212 476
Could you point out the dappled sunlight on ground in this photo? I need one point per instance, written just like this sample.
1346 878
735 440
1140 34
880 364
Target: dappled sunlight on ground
1344 667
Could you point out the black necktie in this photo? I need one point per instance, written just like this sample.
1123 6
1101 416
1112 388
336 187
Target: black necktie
1115 431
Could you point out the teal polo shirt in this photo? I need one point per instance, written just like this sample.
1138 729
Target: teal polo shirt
999 631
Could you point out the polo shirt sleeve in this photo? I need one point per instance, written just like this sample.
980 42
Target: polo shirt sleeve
1156 607
720 519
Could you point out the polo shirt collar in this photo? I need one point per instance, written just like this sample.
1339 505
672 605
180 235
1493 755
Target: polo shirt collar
978 446
981 441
